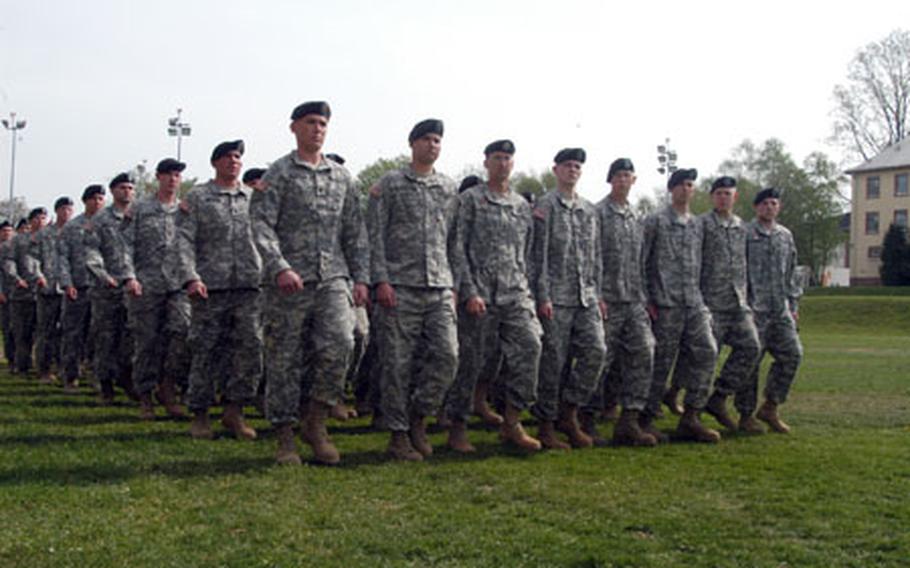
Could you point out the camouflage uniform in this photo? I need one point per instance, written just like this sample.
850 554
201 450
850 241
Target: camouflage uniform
6 287
566 270
160 317
50 298
628 327
672 259
19 265
309 220
411 220
774 294
106 257
215 245
76 318
494 235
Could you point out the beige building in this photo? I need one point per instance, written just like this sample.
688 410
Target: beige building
881 196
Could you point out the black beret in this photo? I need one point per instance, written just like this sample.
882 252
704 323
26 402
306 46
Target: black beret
94 189
424 127
620 165
36 211
61 201
335 158
169 165
253 174
469 182
21 223
313 107
723 181
499 146
567 154
766 193
4 223
225 147
122 177
682 175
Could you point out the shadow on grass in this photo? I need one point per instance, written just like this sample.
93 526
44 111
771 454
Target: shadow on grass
47 439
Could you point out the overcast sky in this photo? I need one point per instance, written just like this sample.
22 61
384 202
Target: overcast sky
97 80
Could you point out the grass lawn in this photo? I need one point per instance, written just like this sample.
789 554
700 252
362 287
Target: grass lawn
83 485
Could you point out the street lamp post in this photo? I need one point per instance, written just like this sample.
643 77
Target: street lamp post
666 158
13 126
175 127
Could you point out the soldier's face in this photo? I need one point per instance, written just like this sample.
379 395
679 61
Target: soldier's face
37 222
682 192
123 193
622 181
768 209
499 166
64 213
425 150
723 199
93 204
6 233
228 166
310 130
168 181
567 172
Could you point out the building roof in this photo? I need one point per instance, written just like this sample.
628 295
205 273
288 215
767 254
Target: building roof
894 156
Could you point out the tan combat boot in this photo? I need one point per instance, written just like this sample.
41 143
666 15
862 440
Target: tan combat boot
611 412
233 421
314 433
750 425
71 387
628 432
343 412
546 433
568 425
287 447
589 426
482 407
146 408
167 394
691 428
201 429
671 400
458 438
646 423
400 448
767 413
717 407
418 435
512 432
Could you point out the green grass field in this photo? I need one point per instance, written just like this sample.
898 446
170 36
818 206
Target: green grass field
83 485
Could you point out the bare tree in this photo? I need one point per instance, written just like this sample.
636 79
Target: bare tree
871 108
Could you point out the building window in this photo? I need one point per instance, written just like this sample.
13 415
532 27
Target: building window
873 187
872 223
875 252
900 186
900 217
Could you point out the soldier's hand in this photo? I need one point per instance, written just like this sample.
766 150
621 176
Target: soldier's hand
795 317
21 284
197 288
2 298
72 293
545 310
41 283
288 281
385 295
476 306
652 311
133 287
361 294
603 309
111 283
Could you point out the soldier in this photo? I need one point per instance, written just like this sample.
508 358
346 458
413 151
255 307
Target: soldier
723 287
309 228
774 293
566 273
411 216
221 270
159 311
76 281
50 294
9 347
681 321
629 341
109 263
22 272
492 252
253 178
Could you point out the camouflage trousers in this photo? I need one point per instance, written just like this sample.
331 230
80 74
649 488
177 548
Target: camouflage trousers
225 337
47 344
113 342
686 332
736 329
629 363
160 324
309 348
573 338
22 316
512 330
75 324
369 370
418 345
6 323
779 337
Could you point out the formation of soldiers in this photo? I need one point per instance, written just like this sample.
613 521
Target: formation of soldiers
434 300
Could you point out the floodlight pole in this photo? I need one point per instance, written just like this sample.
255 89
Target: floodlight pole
175 127
13 126
666 159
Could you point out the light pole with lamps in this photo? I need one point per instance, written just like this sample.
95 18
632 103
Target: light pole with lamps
666 158
179 129
13 126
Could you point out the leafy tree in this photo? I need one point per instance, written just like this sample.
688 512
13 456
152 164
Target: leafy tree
20 209
872 108
371 173
895 268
